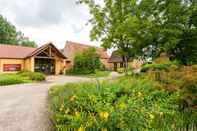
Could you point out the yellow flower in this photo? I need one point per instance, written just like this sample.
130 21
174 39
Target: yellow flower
104 129
72 98
151 116
66 111
104 115
139 94
81 129
62 107
77 113
161 113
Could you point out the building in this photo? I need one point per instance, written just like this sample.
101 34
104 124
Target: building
117 62
72 48
47 59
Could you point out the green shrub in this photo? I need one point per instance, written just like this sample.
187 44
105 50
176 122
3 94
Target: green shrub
25 73
37 76
10 80
20 77
125 104
189 86
147 67
184 80
86 62
120 70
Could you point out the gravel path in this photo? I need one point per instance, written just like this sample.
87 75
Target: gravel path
24 107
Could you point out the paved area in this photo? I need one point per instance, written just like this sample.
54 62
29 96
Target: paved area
24 107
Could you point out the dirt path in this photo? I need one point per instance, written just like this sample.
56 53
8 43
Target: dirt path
24 107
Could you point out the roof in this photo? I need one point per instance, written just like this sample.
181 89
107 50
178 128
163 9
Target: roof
21 52
44 47
71 48
116 57
14 51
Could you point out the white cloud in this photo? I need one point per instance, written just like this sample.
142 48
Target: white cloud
49 20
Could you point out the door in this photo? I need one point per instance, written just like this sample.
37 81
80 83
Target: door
46 66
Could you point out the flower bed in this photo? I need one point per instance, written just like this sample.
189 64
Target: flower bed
125 104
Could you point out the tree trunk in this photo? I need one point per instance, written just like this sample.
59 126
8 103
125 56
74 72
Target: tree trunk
126 66
125 62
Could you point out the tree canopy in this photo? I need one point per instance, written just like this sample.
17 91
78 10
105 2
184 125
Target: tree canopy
86 62
9 35
134 26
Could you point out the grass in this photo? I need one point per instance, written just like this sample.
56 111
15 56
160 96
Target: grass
94 75
129 103
99 74
19 78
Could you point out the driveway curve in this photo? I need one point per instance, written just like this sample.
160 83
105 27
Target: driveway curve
24 107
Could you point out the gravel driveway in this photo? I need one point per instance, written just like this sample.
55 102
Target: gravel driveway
24 107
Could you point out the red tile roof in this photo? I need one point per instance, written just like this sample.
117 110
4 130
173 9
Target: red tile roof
13 51
71 48
21 52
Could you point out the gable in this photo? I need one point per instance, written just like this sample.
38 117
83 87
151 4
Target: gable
47 50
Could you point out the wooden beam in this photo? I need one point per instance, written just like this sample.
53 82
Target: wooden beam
42 57
50 51
46 53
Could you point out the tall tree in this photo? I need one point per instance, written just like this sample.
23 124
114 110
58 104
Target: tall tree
171 19
186 49
120 24
133 26
9 35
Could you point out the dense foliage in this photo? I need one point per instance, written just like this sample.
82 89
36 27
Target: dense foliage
10 79
175 78
146 27
154 67
21 77
125 104
86 62
9 35
35 76
8 32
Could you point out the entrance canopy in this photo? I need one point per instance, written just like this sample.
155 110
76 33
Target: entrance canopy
49 50
47 59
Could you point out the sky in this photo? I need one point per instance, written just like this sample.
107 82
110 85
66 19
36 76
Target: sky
45 21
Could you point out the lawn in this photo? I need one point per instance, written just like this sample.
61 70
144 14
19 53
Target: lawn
93 75
19 78
128 103
99 74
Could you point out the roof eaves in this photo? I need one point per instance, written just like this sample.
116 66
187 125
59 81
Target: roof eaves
43 47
